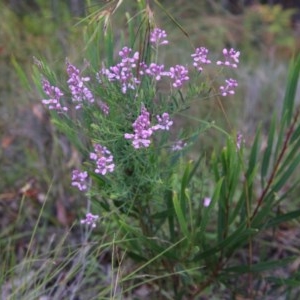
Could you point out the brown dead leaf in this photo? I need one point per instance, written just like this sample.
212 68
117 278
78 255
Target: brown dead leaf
7 141
38 111
239 297
8 196
64 217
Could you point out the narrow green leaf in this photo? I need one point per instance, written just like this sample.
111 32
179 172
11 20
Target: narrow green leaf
171 17
180 215
195 167
291 88
246 195
282 218
21 74
268 152
131 30
260 267
208 210
109 47
94 57
294 149
290 282
264 211
186 176
171 221
254 154
242 233
296 135
215 166
280 137
150 261
286 175
222 215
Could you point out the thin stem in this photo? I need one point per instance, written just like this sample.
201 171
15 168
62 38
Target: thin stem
209 281
280 157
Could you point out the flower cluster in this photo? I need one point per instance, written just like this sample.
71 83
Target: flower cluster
123 72
158 37
104 107
77 86
178 145
54 93
164 122
155 70
127 73
179 74
231 84
143 130
200 58
79 179
90 220
231 58
104 160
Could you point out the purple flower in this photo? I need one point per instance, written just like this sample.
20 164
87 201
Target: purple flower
79 179
178 145
104 107
155 70
54 93
206 201
142 68
239 140
123 72
164 122
179 74
142 130
77 86
103 158
231 84
90 220
200 58
231 58
158 37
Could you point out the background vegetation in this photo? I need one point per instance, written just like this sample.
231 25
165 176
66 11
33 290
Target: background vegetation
43 250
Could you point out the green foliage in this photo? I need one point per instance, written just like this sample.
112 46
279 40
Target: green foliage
269 26
151 206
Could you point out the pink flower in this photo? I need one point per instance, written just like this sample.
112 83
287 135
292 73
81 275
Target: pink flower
206 201
142 130
123 72
178 145
231 84
55 94
231 58
164 122
80 92
200 58
104 160
239 140
179 74
79 179
158 37
90 220
155 70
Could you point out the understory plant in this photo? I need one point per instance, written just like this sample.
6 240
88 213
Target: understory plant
180 213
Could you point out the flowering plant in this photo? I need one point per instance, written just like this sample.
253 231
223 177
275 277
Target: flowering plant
127 89
124 124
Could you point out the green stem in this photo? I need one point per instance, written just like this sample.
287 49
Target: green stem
280 158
